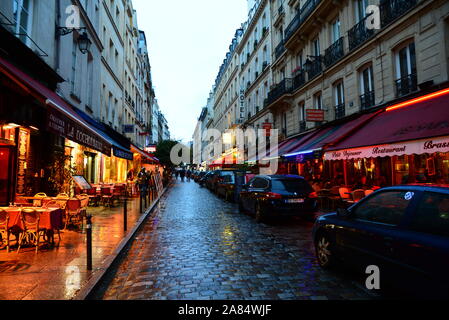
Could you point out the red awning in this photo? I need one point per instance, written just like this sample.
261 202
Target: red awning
321 138
61 118
144 154
417 120
425 119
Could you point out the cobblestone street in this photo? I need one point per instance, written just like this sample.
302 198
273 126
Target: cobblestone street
196 246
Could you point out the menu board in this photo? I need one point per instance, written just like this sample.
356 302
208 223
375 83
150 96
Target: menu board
82 182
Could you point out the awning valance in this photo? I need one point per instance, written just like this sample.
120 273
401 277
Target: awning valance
61 118
430 145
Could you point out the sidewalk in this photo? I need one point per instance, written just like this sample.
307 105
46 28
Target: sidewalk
60 273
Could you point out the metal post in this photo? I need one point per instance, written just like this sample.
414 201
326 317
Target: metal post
125 215
140 202
89 241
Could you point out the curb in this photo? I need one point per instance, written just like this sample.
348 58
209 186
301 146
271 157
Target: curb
90 285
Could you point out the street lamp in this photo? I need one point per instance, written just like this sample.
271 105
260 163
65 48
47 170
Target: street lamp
84 43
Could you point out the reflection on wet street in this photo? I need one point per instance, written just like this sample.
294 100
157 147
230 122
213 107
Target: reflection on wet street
197 246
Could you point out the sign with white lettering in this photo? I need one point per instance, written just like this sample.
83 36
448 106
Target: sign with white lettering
431 145
65 127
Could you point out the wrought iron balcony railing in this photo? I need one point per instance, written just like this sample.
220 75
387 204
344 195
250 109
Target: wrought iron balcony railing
359 34
406 85
334 53
299 80
340 111
367 100
315 69
391 10
280 49
283 87
300 17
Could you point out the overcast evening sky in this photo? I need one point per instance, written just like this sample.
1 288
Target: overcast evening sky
187 42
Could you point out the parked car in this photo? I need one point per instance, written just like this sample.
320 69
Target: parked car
402 230
203 181
229 184
278 195
199 176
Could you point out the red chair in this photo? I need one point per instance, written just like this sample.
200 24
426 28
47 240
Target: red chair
73 212
4 229
107 196
94 199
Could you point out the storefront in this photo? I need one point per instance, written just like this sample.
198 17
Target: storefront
34 125
406 143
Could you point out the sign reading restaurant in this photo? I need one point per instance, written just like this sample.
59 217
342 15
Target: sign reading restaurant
431 145
63 126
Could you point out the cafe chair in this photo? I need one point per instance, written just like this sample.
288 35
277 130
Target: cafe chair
357 195
38 201
21 202
31 231
45 201
52 204
107 196
94 199
73 212
4 229
62 195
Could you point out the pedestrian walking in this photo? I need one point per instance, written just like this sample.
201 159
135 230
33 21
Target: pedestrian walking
143 183
182 173
176 174
188 175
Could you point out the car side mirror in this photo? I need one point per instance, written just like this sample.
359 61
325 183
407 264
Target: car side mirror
343 212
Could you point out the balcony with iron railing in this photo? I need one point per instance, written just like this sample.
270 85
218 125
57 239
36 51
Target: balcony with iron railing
299 79
340 111
367 100
300 17
358 34
280 49
406 85
390 10
283 87
334 53
314 69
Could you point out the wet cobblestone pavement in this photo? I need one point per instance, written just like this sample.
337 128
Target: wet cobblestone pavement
199 247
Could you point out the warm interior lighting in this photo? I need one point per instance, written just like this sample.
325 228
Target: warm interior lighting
420 99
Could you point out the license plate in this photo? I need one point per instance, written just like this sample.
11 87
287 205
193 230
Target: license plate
295 201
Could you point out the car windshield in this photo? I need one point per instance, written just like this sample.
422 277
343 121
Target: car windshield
291 185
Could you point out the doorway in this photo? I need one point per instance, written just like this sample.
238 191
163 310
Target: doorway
6 183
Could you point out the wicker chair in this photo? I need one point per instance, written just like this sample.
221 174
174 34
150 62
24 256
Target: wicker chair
39 196
73 212
4 228
31 231
107 197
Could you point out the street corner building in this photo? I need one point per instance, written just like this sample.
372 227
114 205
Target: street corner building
355 93
75 101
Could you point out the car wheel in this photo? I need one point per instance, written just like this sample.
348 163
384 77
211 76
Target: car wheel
324 251
258 213
241 208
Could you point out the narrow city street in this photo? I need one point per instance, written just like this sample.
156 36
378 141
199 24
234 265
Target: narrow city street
197 246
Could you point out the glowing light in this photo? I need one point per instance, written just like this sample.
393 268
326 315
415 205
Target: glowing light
420 99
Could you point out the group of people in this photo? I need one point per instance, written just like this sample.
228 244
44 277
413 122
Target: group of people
183 174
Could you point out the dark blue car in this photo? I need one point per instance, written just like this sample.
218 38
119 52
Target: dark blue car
403 230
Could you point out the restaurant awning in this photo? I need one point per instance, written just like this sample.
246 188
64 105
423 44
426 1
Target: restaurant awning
145 155
118 150
61 118
416 126
330 135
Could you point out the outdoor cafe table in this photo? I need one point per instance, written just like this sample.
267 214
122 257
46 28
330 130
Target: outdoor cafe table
50 218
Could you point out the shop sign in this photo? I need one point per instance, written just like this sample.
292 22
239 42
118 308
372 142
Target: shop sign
22 154
431 145
123 154
63 126
314 115
151 149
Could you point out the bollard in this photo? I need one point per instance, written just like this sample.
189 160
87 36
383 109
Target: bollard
140 202
125 215
89 241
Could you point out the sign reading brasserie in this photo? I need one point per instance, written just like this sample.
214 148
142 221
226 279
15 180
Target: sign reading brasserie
22 154
62 125
432 145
